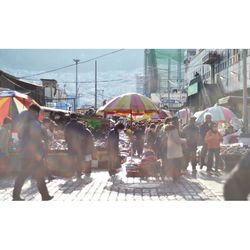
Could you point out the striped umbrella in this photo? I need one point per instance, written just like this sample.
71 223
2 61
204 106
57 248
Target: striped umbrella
219 114
131 103
157 116
13 103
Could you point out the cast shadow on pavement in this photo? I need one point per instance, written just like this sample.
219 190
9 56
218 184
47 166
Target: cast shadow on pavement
217 178
69 186
6 182
185 188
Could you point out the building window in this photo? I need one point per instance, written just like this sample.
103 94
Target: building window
231 61
216 69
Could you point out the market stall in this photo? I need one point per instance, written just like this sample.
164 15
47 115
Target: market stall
130 105
12 103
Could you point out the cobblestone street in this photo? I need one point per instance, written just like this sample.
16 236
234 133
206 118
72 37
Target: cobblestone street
200 187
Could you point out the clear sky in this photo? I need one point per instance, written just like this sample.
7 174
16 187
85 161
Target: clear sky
17 60
121 66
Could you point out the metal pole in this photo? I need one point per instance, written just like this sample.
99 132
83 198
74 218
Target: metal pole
95 84
169 73
179 68
76 101
244 71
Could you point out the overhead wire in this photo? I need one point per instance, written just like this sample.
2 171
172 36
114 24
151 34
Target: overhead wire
71 65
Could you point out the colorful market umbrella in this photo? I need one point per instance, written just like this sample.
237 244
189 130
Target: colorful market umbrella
132 103
161 115
219 114
13 103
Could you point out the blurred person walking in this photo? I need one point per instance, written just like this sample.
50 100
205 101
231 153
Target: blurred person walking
80 147
138 140
5 136
32 154
237 186
113 150
151 137
174 150
5 144
204 128
191 133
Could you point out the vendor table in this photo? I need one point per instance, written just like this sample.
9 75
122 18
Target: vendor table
58 162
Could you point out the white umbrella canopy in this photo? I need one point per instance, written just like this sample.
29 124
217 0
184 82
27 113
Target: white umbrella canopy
219 114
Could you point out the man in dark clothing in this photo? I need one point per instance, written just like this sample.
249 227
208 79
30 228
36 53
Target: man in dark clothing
88 149
32 155
113 149
191 133
204 128
73 135
138 140
80 144
151 137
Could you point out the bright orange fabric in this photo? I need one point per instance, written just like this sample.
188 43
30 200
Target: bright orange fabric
213 140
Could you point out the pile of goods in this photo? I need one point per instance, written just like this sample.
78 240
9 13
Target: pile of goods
233 149
232 153
58 145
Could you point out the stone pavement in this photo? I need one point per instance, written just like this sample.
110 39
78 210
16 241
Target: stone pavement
190 188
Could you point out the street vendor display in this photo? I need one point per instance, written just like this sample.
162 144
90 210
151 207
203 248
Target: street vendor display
232 153
131 104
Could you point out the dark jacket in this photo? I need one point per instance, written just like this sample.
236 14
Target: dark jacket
191 133
139 133
87 142
113 141
204 128
151 138
31 139
73 136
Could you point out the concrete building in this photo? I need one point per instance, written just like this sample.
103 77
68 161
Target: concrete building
164 76
55 97
140 81
211 74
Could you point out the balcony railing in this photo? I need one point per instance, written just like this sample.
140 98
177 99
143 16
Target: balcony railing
211 58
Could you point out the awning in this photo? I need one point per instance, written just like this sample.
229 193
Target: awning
22 84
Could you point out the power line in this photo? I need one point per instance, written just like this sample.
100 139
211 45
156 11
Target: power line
71 65
115 80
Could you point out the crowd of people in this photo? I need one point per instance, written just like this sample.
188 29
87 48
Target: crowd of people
173 145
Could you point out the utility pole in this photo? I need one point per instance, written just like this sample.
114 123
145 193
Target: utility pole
244 71
169 73
76 101
95 84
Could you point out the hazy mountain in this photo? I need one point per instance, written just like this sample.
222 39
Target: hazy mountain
118 69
